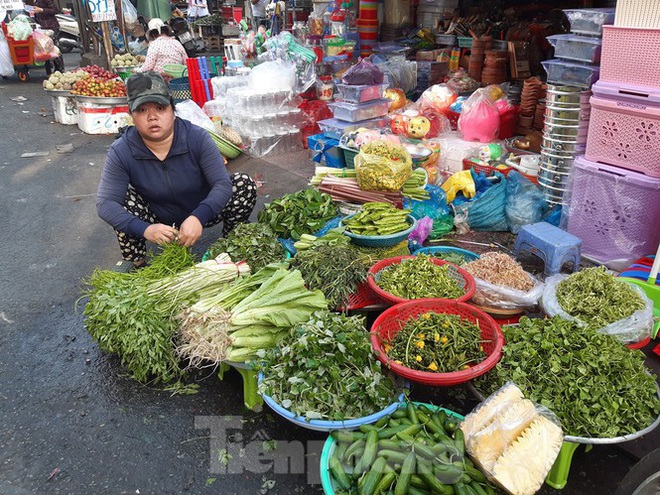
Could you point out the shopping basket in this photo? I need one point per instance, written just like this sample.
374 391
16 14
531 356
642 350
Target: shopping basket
180 89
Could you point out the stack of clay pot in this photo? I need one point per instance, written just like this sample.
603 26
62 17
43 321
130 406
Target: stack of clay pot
476 59
529 98
495 67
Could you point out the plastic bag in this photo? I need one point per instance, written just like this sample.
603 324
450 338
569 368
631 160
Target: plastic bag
382 166
506 429
461 82
435 208
635 328
130 14
44 47
460 181
190 111
437 98
19 28
273 76
480 119
6 64
485 212
363 73
285 47
417 237
525 203
498 296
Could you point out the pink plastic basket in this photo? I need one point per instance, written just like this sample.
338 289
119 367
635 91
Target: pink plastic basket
628 56
625 134
614 211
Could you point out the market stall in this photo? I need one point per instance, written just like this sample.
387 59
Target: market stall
412 153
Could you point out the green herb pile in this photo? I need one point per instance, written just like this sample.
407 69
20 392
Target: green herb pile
419 278
124 319
378 219
596 386
302 212
254 243
325 365
596 297
370 255
335 270
436 342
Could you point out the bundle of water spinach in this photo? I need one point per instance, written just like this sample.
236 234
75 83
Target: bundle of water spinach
417 449
420 278
375 219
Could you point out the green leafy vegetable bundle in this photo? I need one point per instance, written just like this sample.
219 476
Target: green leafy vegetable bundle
596 297
378 219
419 278
302 212
596 386
334 270
437 342
236 327
255 243
327 370
132 315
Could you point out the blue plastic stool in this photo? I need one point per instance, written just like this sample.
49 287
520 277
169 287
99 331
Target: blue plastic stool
553 245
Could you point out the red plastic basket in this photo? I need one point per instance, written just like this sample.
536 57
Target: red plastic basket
461 276
393 319
363 298
486 169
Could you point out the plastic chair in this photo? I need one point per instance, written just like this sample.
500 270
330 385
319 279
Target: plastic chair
251 397
552 244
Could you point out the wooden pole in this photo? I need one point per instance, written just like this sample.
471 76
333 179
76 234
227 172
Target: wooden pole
107 43
120 20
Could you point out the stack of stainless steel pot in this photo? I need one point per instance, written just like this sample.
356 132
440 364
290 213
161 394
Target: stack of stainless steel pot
564 137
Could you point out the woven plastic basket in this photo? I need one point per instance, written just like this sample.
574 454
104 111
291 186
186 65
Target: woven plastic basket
175 70
464 279
380 240
180 89
392 320
439 251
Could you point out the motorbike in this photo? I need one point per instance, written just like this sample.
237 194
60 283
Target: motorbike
69 35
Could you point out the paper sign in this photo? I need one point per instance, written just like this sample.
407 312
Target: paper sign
8 6
102 10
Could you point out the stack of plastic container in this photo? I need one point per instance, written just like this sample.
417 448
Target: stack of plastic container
615 190
567 109
359 106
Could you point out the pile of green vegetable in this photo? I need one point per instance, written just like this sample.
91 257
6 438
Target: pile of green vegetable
324 365
436 342
378 219
132 315
414 186
302 212
335 270
596 386
255 243
419 278
231 326
416 450
594 296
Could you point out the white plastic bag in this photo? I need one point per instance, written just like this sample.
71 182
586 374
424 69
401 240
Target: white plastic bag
635 328
498 296
130 13
6 64
190 111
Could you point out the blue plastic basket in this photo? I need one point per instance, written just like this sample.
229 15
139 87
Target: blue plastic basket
180 89
380 240
437 252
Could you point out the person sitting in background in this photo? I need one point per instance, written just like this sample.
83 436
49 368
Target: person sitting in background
163 48
164 179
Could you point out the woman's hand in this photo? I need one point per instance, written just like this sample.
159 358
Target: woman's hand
160 233
190 231
38 10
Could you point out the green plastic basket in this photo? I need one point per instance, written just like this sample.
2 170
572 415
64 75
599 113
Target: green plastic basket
125 72
349 156
327 482
464 42
175 70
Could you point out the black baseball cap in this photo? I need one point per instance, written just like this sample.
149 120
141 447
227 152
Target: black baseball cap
146 87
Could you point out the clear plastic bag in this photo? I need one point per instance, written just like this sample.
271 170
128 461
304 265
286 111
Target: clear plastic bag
514 441
190 111
130 13
382 166
635 328
6 64
480 119
437 98
525 203
498 296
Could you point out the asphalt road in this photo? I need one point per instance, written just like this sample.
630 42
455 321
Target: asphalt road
71 422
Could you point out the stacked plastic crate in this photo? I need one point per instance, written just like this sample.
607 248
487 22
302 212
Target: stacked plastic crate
567 110
614 203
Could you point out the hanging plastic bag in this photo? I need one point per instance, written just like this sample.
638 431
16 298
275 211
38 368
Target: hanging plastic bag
130 13
635 328
525 202
190 111
44 47
382 166
363 73
6 64
480 119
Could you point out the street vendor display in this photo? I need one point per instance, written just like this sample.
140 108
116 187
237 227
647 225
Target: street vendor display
254 243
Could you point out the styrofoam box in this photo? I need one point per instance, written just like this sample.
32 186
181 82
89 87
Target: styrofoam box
614 211
96 118
65 109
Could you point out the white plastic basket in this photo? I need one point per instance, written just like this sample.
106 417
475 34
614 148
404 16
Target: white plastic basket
638 13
